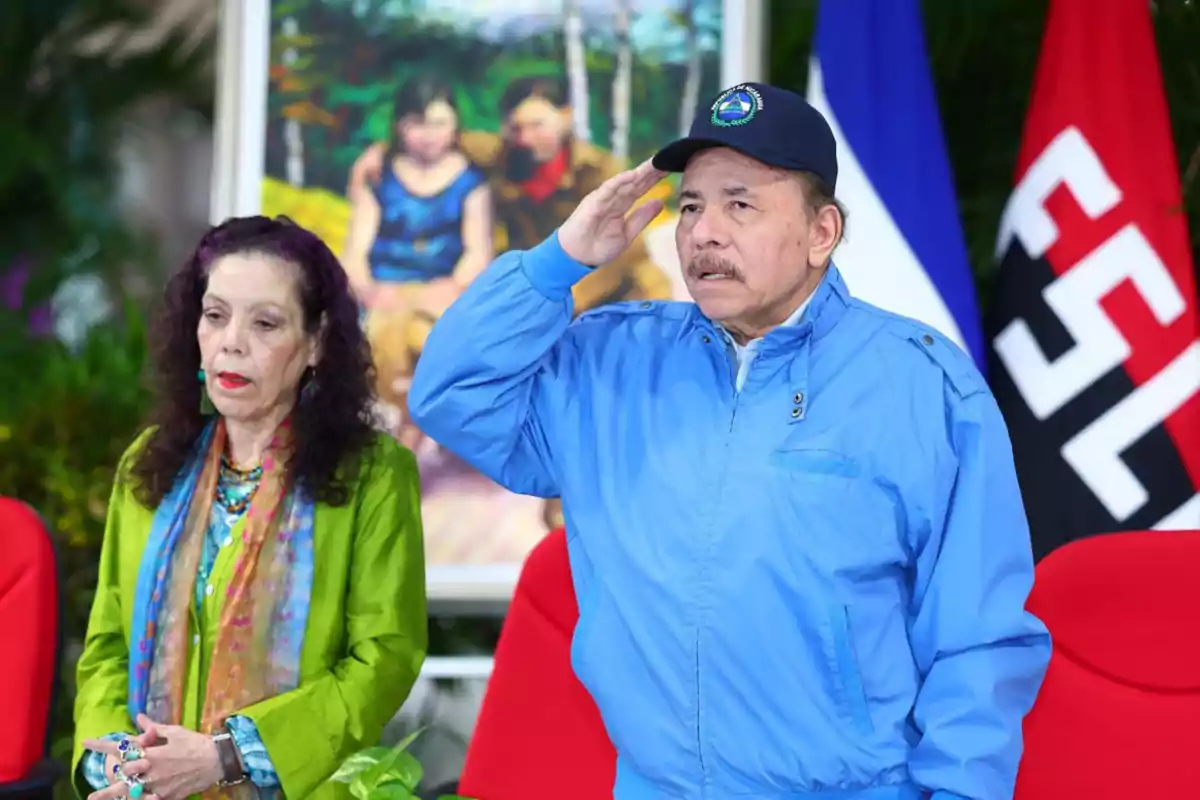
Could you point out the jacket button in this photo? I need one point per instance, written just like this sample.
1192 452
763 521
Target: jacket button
646 304
798 398
795 413
927 339
707 339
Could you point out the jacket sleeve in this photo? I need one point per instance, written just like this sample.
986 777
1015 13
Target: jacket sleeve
253 751
310 730
483 384
91 766
102 671
982 655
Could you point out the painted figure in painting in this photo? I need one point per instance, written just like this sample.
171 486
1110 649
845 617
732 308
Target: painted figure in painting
539 172
420 233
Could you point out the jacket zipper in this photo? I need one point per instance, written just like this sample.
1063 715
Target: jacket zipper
708 559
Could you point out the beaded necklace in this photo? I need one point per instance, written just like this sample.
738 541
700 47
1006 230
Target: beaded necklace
236 487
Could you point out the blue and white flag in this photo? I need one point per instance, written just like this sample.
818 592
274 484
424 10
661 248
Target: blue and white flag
904 251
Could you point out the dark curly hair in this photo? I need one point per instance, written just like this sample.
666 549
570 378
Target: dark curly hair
332 425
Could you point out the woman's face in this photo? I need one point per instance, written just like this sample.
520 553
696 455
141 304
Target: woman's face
253 346
429 136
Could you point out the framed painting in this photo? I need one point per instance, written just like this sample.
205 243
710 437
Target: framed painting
421 138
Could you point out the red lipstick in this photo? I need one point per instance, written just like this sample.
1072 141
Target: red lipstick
232 380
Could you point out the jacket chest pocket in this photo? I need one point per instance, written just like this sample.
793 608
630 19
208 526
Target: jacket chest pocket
835 506
815 463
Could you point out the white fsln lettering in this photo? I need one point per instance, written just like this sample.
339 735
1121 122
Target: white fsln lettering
1075 299
1067 161
1095 452
1184 518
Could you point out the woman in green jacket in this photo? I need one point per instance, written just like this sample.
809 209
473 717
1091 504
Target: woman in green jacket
260 610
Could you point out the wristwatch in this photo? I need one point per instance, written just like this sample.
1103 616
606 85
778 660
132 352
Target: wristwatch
231 766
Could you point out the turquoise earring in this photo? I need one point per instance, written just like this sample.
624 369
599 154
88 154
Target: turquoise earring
206 405
310 385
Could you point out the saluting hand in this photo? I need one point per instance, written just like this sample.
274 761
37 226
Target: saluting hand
599 228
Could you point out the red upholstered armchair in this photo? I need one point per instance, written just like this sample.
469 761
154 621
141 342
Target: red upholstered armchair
539 735
1118 716
29 639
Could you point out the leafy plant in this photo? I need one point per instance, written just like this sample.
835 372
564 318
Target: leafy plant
385 773
65 419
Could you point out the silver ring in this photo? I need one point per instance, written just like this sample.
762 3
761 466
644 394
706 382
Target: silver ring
137 787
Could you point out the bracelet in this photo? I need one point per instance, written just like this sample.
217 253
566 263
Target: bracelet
231 769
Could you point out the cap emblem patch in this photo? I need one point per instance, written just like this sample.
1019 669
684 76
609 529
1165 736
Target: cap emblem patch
736 106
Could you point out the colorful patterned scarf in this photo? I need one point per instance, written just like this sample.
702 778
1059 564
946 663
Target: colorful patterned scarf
263 617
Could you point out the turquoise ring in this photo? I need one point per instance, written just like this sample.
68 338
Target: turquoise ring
135 789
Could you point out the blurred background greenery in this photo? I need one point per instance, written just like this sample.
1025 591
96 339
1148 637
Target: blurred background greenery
72 72
68 409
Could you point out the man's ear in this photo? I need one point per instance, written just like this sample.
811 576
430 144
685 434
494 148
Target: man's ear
825 232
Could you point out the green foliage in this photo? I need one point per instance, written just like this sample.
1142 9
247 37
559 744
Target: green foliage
68 420
70 76
65 419
385 773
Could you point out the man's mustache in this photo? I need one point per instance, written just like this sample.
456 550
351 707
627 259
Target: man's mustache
709 264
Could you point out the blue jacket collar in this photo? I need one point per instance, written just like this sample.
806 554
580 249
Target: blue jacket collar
828 305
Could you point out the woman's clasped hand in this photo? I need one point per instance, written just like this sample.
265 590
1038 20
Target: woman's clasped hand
168 762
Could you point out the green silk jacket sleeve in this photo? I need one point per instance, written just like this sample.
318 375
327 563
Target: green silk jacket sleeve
102 672
310 730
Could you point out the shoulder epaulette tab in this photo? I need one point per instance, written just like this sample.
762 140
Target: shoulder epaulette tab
623 308
960 371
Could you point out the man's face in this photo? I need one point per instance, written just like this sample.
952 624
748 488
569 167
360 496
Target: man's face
537 128
750 246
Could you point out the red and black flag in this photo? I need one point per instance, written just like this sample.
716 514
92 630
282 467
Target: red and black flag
1093 348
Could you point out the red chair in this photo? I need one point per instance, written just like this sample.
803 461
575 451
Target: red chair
30 641
539 735
1118 716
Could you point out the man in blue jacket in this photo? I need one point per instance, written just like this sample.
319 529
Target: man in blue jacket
795 529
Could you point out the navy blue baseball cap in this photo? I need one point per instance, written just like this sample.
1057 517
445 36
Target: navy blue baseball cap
769 124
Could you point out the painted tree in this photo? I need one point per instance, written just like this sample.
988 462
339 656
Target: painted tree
691 83
298 85
622 80
293 136
577 76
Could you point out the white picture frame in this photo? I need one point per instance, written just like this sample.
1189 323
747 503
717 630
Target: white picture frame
244 31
